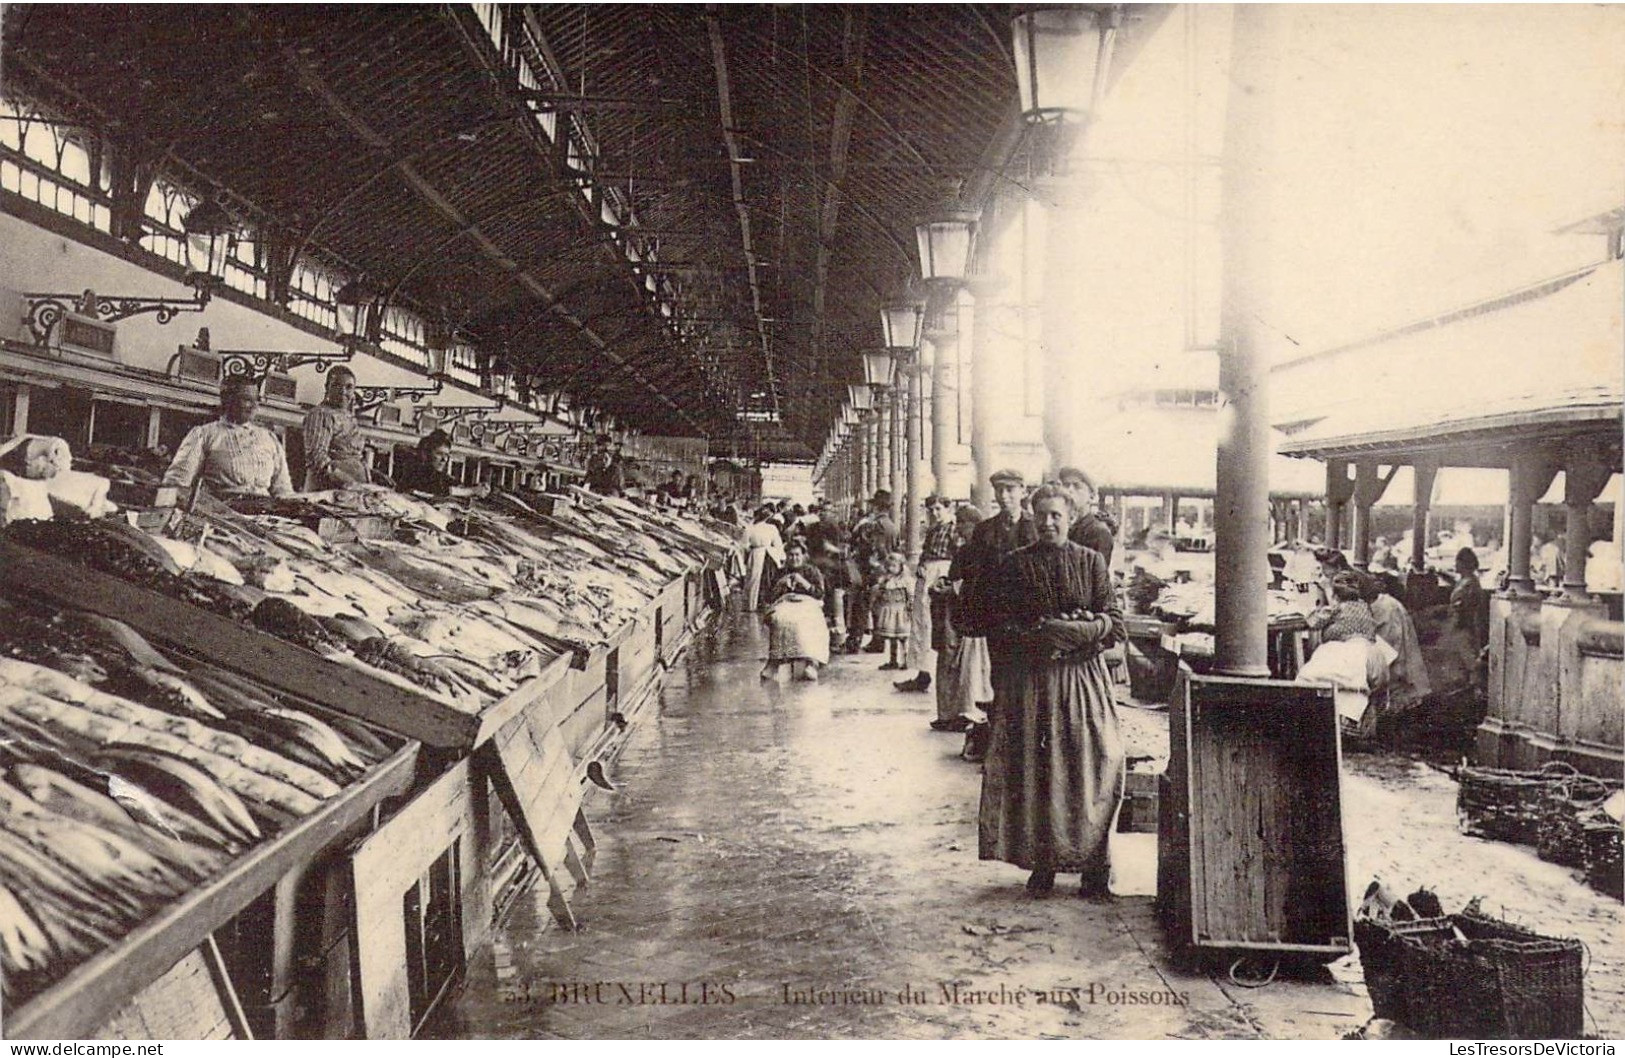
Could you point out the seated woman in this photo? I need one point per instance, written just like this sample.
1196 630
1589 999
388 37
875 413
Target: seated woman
424 471
796 631
1408 675
1351 658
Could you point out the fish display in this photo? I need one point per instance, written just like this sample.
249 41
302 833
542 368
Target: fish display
130 775
113 805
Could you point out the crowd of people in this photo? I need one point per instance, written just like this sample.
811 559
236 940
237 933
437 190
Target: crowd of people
1011 619
1008 618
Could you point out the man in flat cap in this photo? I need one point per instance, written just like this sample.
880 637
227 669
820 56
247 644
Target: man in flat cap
873 538
992 539
1091 528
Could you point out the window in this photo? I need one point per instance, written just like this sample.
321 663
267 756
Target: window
119 424
49 163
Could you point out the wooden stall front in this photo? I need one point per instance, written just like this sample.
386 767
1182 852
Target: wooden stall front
359 921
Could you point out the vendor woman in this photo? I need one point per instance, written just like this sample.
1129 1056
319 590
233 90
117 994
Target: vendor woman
426 470
335 454
1054 768
231 454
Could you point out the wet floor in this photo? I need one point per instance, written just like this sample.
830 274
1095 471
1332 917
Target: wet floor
792 860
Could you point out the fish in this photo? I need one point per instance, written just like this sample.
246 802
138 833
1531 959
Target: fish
359 737
352 630
315 734
176 694
23 944
105 856
184 786
250 770
32 871
159 817
87 804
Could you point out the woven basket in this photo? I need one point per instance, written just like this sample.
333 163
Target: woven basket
1563 810
1506 805
1603 838
1468 976
1382 959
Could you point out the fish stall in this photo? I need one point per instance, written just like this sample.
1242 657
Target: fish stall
270 766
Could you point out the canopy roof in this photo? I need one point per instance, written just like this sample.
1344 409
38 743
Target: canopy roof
1155 450
1544 364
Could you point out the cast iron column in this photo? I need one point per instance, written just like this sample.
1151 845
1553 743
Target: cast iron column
946 343
1585 475
1241 516
983 369
1531 476
912 450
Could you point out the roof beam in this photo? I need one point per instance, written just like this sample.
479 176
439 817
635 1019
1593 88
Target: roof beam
719 60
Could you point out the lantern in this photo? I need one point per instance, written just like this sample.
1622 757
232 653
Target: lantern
211 236
878 368
900 325
354 303
945 245
860 397
1060 53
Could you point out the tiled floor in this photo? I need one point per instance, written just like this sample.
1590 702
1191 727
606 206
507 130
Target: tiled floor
787 860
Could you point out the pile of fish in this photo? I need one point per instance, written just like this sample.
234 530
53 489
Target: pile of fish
126 780
465 616
114 547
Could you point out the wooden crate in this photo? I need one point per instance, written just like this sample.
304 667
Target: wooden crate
1252 854
1138 814
94 991
420 903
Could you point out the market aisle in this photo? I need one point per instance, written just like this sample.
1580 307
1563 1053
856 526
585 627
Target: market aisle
820 837
775 839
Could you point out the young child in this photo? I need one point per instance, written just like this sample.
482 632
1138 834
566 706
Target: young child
1348 616
893 595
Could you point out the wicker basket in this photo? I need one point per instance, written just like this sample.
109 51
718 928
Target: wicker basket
1603 838
1382 959
1507 805
1563 811
1468 976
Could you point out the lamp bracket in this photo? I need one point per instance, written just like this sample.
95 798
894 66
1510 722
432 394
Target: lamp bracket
45 311
259 363
450 413
368 397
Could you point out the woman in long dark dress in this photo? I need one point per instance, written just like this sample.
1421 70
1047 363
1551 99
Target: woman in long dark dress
1054 769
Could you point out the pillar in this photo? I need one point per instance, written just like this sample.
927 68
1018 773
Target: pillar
883 434
1531 476
19 410
1063 320
1368 489
1241 561
914 451
869 447
1584 477
1424 474
1339 490
899 412
985 291
1170 504
946 343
